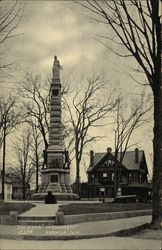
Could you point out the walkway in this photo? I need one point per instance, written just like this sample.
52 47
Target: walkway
42 209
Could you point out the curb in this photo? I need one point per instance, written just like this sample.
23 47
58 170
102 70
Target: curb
79 218
121 233
130 231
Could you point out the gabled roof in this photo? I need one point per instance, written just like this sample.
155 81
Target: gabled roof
7 180
128 161
98 157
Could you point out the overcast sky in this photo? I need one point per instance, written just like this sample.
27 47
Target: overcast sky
61 28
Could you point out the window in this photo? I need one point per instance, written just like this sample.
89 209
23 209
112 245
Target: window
102 191
109 163
104 175
113 176
130 177
110 177
8 196
54 178
135 177
55 92
92 176
119 191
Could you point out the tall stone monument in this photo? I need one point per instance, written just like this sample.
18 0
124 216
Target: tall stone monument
56 170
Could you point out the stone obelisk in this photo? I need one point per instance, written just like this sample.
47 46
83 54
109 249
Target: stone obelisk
56 173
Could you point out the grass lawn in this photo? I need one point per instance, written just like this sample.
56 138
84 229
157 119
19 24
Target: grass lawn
5 208
87 208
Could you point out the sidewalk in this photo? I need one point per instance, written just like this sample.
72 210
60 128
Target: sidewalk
75 231
42 209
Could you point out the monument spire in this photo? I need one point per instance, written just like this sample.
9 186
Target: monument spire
55 138
56 175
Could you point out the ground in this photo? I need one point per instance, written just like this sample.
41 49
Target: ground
143 240
149 234
6 207
113 243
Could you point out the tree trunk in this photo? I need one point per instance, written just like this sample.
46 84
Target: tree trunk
37 171
116 174
45 154
24 192
3 164
157 162
77 180
23 188
77 171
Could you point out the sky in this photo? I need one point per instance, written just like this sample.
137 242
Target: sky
62 28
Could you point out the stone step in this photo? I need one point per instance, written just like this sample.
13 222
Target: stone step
36 218
37 222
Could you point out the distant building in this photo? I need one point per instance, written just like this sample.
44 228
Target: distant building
17 191
132 175
7 188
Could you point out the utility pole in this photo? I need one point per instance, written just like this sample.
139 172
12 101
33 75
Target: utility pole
4 158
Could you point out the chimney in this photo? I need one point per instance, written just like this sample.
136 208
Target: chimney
136 155
91 158
109 150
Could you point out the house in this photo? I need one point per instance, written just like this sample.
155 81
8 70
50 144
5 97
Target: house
17 191
7 188
131 175
17 187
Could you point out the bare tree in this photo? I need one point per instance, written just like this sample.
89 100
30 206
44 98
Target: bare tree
10 117
24 168
136 27
36 96
10 17
125 126
36 146
85 112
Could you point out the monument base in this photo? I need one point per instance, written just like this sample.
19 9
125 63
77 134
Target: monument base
58 196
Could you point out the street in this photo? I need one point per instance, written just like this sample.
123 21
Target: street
125 243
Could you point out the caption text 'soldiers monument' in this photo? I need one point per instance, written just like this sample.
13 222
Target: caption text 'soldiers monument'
56 170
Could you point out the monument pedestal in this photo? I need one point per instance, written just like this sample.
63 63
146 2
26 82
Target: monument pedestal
55 178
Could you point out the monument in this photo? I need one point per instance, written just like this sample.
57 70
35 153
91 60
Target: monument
56 168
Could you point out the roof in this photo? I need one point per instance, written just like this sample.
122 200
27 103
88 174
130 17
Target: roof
128 161
8 180
98 157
